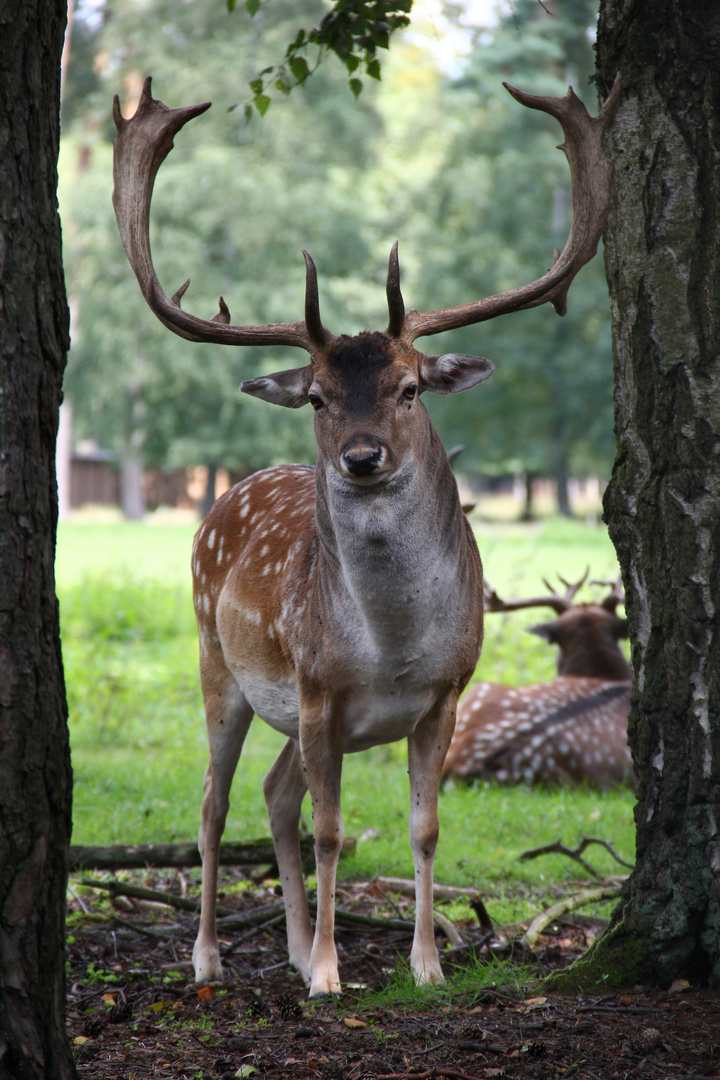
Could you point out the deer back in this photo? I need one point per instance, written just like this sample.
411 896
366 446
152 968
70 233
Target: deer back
568 731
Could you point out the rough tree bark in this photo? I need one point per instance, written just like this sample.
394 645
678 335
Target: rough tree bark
663 504
35 776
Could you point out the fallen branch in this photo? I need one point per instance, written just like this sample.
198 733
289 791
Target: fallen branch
570 903
138 856
155 896
233 920
351 918
440 892
558 848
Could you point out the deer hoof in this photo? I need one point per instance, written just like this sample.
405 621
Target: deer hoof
207 966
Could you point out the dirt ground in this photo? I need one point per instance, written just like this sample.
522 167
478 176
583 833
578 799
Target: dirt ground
134 1012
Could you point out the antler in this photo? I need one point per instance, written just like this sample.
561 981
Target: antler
558 603
142 145
616 595
591 171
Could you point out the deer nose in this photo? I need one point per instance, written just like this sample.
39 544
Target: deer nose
362 455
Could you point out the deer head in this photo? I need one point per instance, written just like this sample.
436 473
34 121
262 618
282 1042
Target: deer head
587 635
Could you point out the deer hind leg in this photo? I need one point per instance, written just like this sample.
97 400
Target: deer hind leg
427 747
284 788
228 719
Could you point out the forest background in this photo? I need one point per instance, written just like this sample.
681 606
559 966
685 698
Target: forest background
436 154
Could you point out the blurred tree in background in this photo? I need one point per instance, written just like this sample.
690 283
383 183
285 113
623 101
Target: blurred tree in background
467 180
499 203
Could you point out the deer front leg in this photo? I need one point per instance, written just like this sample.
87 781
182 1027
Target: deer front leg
322 758
284 788
427 748
228 719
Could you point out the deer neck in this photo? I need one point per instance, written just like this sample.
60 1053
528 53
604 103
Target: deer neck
396 547
596 657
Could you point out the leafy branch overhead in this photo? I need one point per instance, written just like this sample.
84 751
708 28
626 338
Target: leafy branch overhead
353 29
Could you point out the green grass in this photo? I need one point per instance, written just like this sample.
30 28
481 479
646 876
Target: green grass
137 725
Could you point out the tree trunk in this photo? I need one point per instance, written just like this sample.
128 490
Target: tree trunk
35 776
131 487
528 513
563 493
663 504
206 503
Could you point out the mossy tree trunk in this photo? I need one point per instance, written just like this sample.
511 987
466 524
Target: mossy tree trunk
663 504
35 777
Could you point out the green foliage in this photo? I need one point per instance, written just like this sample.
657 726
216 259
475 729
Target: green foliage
116 607
353 30
498 203
233 206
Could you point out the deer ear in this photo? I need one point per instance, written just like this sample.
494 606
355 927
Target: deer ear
620 629
453 372
288 388
546 630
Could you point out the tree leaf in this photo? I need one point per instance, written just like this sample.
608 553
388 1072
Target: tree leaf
356 87
251 6
261 103
299 67
373 69
257 86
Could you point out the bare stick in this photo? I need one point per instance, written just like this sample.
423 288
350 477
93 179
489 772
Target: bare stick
558 848
570 903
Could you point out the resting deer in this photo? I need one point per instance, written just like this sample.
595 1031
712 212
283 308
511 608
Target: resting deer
342 604
566 731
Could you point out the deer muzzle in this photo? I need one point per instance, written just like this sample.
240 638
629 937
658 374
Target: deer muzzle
364 455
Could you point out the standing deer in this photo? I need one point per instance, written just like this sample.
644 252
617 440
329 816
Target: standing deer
342 604
567 731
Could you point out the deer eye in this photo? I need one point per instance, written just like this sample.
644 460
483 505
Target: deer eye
410 391
316 401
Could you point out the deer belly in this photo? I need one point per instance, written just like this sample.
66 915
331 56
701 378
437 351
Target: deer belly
274 702
376 718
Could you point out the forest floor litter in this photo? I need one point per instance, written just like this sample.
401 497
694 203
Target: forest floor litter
134 1012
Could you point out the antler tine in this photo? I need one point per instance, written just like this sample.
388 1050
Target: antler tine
396 304
616 595
142 144
495 604
318 334
591 171
571 588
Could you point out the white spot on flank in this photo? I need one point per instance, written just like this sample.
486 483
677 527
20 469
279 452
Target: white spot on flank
211 540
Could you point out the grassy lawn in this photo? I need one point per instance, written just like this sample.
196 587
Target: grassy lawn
137 725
